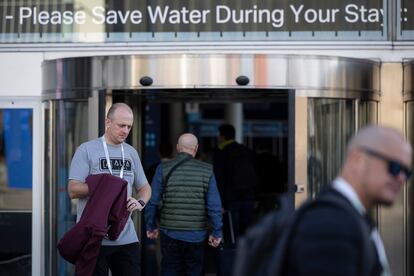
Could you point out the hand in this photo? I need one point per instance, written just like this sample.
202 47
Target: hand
214 241
152 235
133 205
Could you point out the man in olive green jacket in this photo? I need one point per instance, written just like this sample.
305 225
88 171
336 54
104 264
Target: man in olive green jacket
185 194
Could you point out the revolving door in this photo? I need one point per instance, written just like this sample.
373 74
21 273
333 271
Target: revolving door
309 107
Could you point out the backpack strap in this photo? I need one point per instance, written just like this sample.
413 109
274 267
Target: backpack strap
280 251
368 259
167 177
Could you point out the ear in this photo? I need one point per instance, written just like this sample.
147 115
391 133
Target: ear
357 158
107 123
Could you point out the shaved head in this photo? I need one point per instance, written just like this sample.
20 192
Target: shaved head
111 112
187 142
377 138
375 164
118 123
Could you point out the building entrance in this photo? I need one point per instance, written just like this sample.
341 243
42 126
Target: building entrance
262 125
296 111
260 117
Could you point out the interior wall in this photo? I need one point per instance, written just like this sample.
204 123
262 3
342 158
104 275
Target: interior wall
391 220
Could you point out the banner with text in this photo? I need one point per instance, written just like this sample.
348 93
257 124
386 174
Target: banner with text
190 16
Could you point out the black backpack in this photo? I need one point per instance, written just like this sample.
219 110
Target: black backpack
262 251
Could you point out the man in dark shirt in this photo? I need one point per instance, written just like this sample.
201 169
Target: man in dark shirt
234 167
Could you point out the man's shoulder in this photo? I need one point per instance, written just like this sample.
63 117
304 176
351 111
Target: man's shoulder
332 210
236 148
130 148
198 163
90 144
233 146
203 164
168 163
331 198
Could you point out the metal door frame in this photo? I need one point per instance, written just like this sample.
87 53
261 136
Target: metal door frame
37 227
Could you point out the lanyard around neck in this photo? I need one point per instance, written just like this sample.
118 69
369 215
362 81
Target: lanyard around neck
108 161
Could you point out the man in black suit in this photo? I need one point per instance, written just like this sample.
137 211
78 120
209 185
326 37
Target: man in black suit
329 239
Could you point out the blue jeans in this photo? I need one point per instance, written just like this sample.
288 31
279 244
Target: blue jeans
181 258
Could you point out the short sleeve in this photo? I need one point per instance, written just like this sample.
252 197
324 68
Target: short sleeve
79 167
140 178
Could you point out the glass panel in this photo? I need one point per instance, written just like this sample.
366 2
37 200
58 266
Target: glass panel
367 113
409 191
16 179
168 20
47 193
265 130
331 122
405 22
69 125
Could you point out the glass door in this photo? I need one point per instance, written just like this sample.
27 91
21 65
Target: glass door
21 251
321 143
262 123
66 128
16 183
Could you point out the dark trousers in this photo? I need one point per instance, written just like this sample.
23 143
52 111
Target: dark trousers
121 259
241 214
181 258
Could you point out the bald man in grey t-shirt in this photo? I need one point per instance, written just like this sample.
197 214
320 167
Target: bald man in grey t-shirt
110 154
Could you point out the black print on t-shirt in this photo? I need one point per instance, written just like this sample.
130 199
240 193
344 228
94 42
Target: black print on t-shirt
116 164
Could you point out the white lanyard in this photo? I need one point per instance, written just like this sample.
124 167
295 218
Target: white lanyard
121 174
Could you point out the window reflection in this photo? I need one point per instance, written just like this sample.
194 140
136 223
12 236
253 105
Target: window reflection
69 127
367 113
404 16
16 191
15 159
332 122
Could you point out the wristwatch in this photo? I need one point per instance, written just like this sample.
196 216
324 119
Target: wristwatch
140 201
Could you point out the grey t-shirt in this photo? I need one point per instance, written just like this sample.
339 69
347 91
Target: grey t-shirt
90 158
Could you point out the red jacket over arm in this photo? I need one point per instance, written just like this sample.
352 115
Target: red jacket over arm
105 213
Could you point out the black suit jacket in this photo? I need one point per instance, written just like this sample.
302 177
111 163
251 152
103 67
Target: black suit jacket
223 166
332 240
